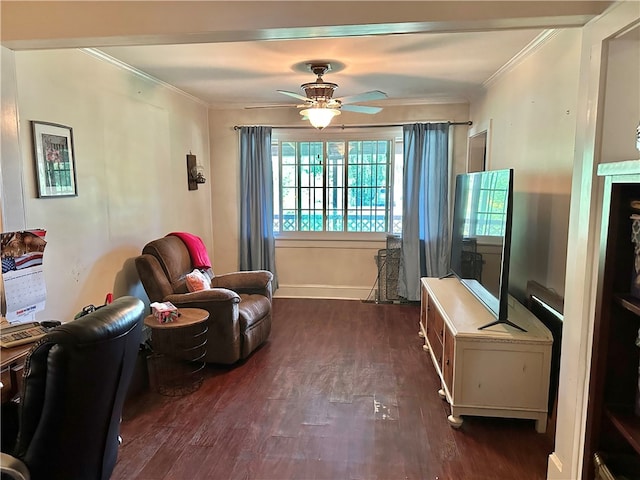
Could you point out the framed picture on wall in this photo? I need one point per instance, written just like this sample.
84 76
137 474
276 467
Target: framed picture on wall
54 160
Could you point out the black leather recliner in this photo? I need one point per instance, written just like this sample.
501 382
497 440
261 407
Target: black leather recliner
76 380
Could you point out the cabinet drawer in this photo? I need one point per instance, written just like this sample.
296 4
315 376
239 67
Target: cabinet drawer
9 388
435 322
11 380
17 377
424 304
436 345
447 361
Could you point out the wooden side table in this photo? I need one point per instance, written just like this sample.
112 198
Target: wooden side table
179 348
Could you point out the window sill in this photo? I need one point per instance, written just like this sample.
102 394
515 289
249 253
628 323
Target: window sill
331 240
341 236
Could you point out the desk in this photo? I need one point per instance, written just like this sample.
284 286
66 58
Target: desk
11 370
179 348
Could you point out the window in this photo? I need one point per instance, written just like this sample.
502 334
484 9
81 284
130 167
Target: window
337 182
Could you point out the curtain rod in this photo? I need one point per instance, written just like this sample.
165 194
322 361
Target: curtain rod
343 127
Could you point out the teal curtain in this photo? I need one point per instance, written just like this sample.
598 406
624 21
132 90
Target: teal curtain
257 245
425 214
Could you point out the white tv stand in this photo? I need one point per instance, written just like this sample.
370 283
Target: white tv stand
495 372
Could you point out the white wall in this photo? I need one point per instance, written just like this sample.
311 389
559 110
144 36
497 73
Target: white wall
338 269
10 146
548 118
621 114
131 139
530 114
593 145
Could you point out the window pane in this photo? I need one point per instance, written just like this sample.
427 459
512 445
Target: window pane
289 198
335 186
289 175
311 175
288 152
276 188
289 221
397 191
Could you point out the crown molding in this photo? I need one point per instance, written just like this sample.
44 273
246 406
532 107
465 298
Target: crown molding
528 50
100 55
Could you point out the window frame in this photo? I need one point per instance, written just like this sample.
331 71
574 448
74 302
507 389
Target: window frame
393 134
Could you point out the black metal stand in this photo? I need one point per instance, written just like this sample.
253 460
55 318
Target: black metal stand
506 322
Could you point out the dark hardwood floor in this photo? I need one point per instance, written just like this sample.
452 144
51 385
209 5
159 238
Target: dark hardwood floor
342 390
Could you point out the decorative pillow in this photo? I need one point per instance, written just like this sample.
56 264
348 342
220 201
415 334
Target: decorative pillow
197 281
209 273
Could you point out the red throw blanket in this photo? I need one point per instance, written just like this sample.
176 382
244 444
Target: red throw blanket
197 250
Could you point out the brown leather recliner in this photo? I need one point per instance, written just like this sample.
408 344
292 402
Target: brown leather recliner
239 303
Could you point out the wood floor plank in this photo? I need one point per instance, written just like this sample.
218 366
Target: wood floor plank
342 390
190 463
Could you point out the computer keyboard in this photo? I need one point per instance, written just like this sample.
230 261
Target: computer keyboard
16 335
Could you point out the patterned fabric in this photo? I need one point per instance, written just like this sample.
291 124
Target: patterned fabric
197 281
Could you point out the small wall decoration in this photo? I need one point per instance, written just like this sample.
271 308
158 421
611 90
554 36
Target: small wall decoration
55 161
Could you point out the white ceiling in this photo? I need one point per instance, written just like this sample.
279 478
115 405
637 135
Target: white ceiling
239 53
409 68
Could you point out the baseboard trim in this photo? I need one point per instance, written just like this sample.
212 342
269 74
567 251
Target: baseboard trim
554 467
343 292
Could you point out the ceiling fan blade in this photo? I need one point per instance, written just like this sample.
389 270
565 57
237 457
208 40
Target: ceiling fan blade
360 109
363 97
295 95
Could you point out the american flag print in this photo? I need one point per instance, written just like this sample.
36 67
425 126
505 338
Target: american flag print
28 260
8 264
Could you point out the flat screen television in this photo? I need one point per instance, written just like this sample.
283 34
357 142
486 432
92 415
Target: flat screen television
481 238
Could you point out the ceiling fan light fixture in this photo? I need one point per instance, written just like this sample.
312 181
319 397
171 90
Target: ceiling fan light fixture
320 117
319 90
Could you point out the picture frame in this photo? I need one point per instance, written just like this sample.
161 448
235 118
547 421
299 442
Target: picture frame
54 160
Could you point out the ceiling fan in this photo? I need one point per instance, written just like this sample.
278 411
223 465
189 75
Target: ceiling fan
320 107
